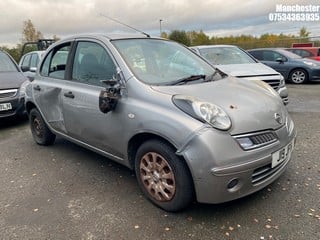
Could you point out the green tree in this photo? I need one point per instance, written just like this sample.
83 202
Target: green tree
198 38
180 36
303 33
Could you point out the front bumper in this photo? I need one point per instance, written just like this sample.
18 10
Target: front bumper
18 108
222 171
314 75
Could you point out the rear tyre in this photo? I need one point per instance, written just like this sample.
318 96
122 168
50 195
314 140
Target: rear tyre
298 76
40 131
163 177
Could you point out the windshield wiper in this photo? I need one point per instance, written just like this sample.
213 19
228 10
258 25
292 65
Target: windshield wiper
188 79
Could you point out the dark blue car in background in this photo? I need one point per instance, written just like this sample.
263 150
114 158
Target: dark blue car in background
294 68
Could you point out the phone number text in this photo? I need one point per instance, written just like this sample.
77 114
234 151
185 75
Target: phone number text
291 17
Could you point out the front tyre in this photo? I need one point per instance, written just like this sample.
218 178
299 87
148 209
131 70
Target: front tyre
163 177
40 131
298 76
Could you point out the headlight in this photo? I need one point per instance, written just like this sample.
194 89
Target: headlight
203 111
282 82
312 64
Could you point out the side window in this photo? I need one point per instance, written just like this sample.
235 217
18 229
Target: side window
305 53
257 55
34 60
272 56
26 61
92 63
55 63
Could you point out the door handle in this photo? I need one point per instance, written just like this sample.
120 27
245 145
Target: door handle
38 88
69 95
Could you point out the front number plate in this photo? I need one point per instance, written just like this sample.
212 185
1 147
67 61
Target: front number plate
5 106
282 155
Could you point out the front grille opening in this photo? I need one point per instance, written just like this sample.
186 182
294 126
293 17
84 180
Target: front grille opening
8 93
274 83
255 140
263 173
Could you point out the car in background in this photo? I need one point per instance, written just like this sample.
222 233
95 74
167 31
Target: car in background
12 87
236 62
29 63
293 67
189 131
306 52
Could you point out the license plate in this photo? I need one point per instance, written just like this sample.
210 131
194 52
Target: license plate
282 155
5 106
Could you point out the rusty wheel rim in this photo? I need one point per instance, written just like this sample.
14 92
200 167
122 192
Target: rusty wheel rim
157 177
37 126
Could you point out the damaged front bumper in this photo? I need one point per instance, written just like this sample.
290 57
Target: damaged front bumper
223 171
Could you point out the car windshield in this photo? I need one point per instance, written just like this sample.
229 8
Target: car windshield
6 64
162 62
225 55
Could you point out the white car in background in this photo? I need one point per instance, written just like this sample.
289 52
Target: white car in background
236 62
29 63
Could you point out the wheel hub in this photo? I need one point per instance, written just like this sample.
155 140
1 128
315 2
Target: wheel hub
157 176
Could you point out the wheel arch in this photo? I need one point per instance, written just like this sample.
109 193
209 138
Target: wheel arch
30 106
136 141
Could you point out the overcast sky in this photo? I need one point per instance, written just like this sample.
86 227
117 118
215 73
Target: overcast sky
215 17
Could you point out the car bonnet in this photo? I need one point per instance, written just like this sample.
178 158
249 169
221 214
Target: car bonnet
9 80
247 70
252 106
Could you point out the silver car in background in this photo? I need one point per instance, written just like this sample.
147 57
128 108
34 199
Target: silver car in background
153 105
236 62
29 63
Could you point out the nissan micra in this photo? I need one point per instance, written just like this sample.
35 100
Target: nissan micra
188 130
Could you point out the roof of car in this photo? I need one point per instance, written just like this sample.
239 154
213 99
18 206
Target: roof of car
110 36
213 46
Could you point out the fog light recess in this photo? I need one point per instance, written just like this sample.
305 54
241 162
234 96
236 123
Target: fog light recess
232 185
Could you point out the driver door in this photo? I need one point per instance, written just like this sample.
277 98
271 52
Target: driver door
83 118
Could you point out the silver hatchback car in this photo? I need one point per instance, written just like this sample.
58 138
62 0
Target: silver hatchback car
189 131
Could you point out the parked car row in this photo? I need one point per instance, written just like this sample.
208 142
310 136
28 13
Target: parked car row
188 130
237 62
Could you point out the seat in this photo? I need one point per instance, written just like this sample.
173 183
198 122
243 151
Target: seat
87 68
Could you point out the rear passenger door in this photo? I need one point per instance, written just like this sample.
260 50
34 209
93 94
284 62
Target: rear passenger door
48 87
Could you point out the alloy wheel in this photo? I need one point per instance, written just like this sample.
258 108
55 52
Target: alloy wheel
157 177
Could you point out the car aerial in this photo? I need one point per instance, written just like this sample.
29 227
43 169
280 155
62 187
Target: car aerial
236 62
188 131
12 87
306 52
29 62
293 67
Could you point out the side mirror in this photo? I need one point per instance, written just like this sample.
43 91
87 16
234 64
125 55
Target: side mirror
33 69
109 97
25 68
280 60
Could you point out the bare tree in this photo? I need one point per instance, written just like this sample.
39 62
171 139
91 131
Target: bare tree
29 32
